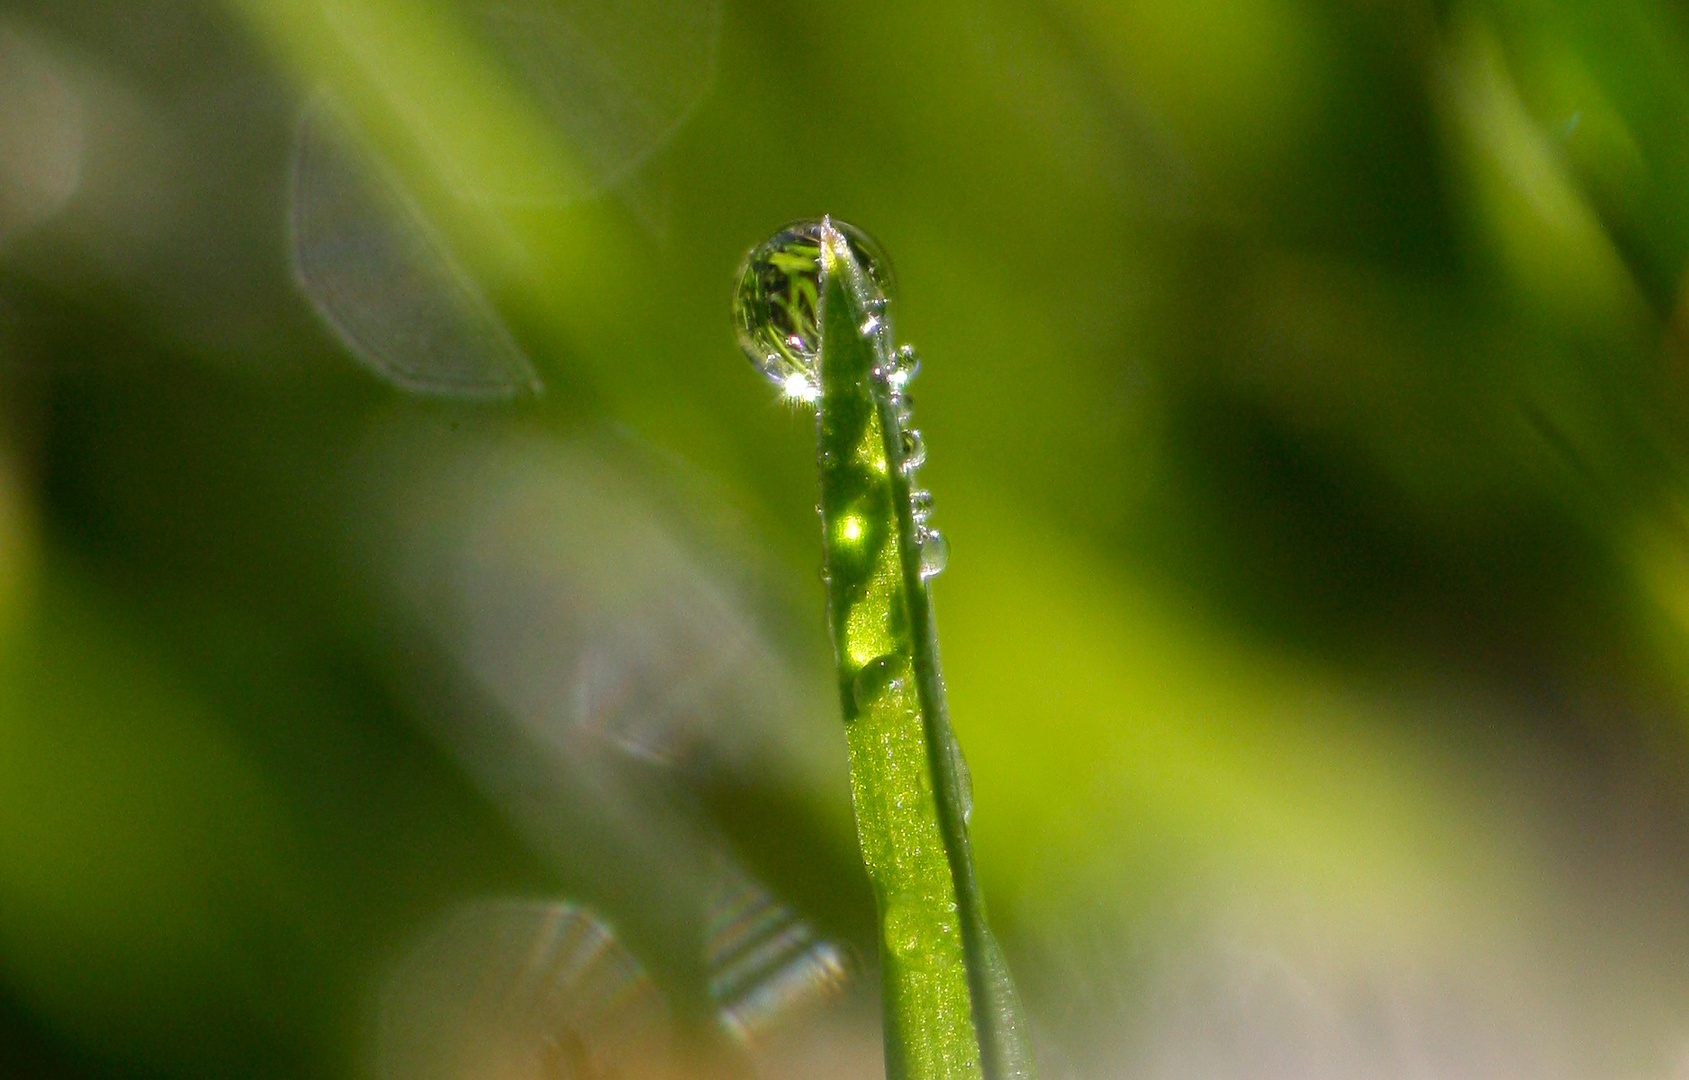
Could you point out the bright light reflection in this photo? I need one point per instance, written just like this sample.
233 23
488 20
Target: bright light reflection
798 387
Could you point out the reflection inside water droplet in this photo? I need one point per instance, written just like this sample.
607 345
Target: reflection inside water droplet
914 451
776 301
905 365
920 506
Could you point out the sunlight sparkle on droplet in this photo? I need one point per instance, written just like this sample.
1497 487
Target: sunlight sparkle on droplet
798 387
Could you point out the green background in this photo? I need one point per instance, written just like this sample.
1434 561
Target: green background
1306 387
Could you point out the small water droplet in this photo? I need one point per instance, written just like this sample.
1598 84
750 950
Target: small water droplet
871 326
914 451
905 365
935 553
903 930
920 506
777 296
904 407
964 780
876 677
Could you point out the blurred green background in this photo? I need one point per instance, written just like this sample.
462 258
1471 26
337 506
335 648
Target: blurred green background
1307 391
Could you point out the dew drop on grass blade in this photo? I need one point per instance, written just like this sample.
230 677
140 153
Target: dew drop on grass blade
525 989
382 279
813 308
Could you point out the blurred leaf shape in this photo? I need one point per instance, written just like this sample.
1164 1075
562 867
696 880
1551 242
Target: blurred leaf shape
521 990
1545 237
763 960
42 134
381 278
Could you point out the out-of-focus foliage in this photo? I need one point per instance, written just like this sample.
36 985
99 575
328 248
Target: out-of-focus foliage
1307 393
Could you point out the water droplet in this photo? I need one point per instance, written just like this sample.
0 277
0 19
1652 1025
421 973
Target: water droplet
914 451
779 290
904 407
935 553
903 930
920 506
801 387
905 365
875 678
964 780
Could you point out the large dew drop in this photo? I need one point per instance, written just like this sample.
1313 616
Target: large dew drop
779 291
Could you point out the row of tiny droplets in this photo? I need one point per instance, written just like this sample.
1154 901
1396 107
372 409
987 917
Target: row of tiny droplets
899 370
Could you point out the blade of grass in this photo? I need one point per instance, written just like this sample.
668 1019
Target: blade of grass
950 1009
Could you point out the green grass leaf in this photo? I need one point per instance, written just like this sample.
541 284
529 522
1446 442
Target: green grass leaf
950 1008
